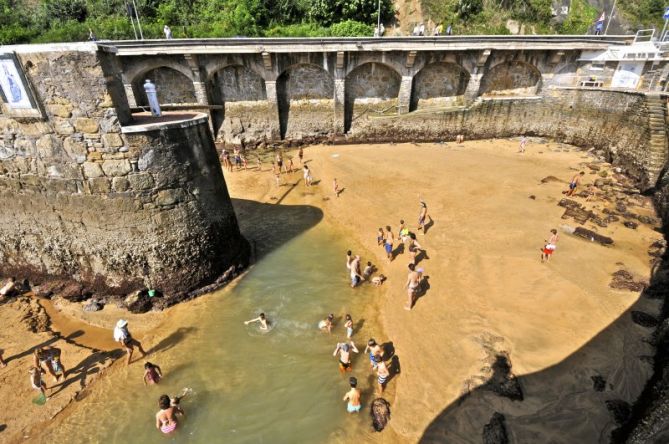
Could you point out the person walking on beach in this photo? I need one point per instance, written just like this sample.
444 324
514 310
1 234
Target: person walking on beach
335 187
353 396
307 176
300 154
575 181
344 349
422 215
122 335
349 326
264 323
382 373
166 418
550 246
523 143
152 373
389 241
374 350
380 237
412 285
413 247
290 165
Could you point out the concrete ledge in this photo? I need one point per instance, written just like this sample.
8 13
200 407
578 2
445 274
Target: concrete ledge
145 122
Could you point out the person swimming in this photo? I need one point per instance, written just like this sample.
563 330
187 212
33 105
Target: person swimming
264 323
152 373
326 324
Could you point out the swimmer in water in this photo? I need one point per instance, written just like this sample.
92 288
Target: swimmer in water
166 418
344 349
264 323
353 396
152 373
326 324
349 326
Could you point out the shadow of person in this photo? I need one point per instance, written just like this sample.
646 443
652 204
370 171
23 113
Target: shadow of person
388 350
48 342
173 339
422 289
422 255
315 182
358 326
3 427
394 367
89 366
428 225
341 191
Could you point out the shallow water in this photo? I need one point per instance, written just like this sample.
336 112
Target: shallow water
248 386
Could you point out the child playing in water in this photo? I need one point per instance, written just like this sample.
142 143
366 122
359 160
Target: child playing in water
369 269
353 396
374 351
382 373
262 319
344 349
349 326
36 380
326 324
152 373
378 280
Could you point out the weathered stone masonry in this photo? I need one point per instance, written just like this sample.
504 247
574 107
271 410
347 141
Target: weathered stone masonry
116 208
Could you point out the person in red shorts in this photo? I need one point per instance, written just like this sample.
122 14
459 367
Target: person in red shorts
550 246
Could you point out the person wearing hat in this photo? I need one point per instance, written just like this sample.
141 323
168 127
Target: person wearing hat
122 335
353 396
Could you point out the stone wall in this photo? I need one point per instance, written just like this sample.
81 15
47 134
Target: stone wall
172 86
372 90
438 83
511 78
115 212
238 84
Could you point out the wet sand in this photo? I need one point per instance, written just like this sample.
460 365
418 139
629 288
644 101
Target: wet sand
488 289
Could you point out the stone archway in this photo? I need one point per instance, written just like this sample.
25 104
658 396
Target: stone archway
371 87
513 78
438 84
305 90
173 86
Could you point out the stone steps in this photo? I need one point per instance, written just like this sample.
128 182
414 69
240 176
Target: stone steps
657 141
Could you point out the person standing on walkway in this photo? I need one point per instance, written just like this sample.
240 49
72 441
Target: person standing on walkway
122 335
168 32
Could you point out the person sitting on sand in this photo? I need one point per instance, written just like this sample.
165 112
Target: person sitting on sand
152 373
349 326
166 419
264 323
412 285
122 335
575 181
36 380
374 350
378 280
369 269
382 373
550 246
353 396
344 349
326 324
44 356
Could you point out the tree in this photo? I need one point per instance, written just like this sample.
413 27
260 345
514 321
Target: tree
64 10
468 8
328 12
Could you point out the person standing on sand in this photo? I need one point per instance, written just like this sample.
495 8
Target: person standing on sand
349 326
335 187
389 241
412 285
422 215
279 162
380 237
264 323
300 154
122 335
551 245
290 165
382 373
307 176
403 231
36 380
166 418
344 349
353 396
414 247
523 143
575 181
374 350
152 373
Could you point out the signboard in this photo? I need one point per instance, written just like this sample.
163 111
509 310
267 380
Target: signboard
15 93
627 75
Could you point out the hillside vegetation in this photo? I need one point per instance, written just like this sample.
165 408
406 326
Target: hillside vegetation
25 21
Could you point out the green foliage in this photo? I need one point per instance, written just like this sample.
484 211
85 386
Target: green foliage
644 13
297 30
580 18
64 10
351 28
328 12
466 9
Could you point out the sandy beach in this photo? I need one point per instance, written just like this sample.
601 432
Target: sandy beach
558 323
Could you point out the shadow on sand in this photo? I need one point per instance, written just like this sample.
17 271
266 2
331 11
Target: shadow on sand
561 403
268 226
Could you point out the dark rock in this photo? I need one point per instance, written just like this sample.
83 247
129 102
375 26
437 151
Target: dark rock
630 224
592 236
495 431
599 221
619 409
503 382
139 302
623 280
533 197
647 220
93 306
73 292
380 413
551 179
644 319
594 166
620 207
598 383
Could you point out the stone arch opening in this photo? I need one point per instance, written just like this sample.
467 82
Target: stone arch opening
371 87
438 84
513 78
173 86
231 84
308 89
